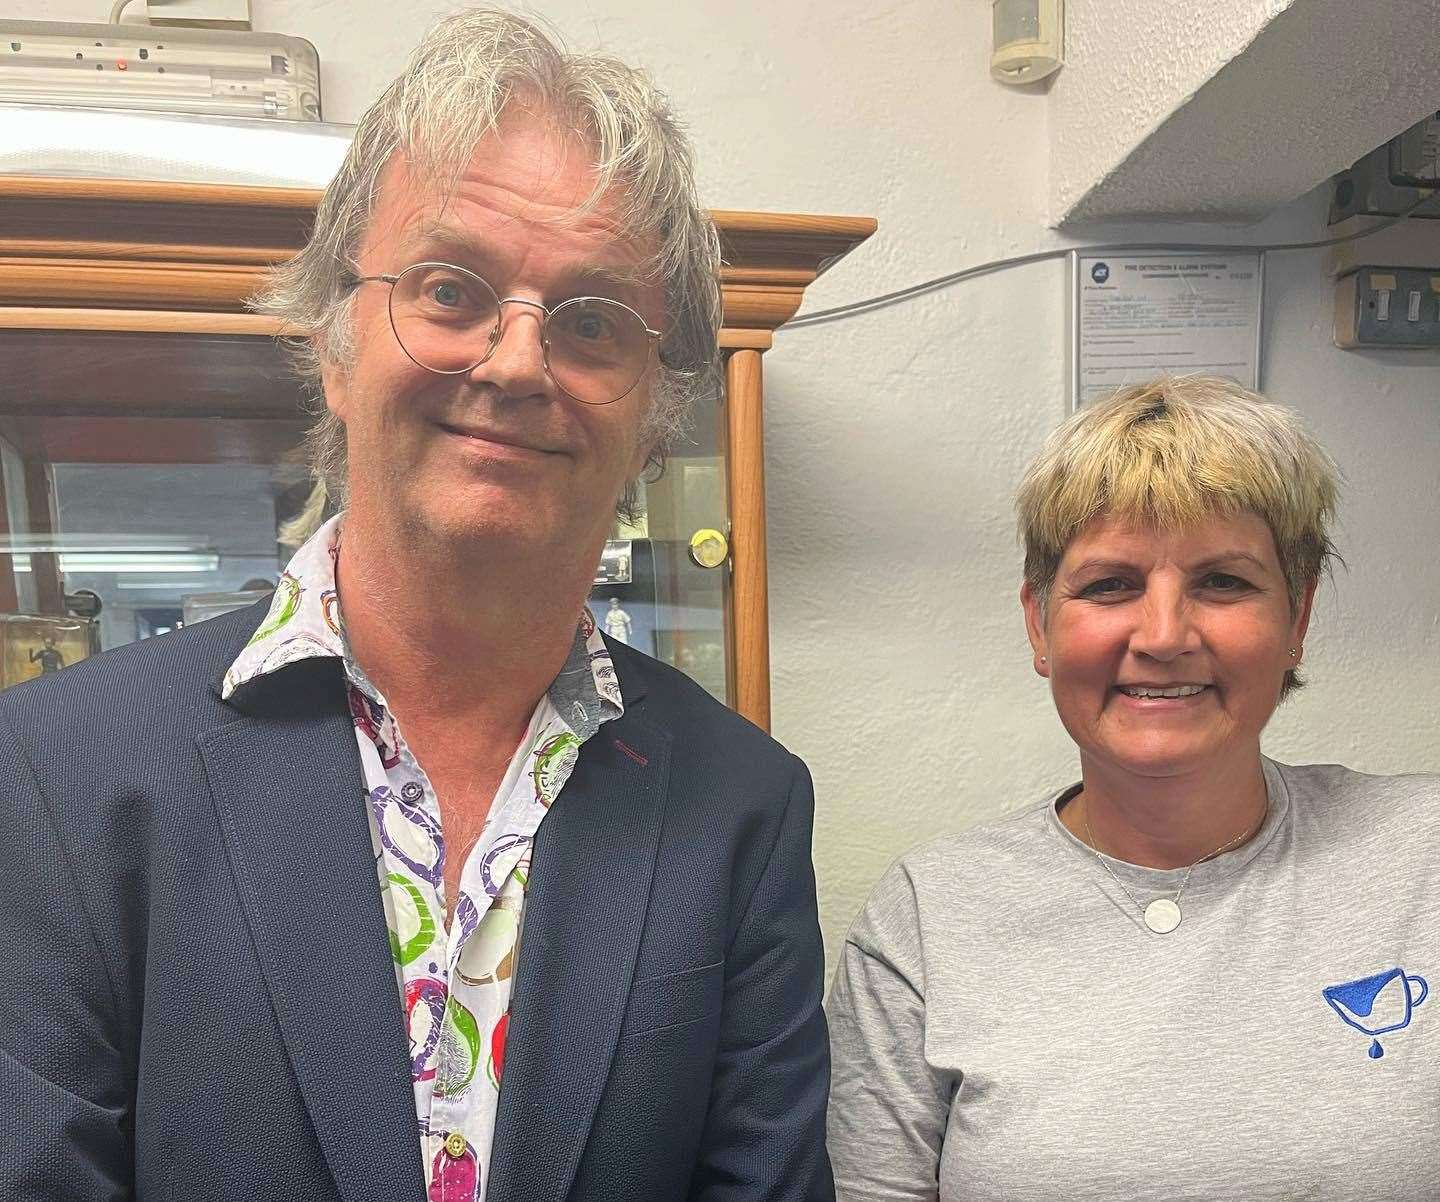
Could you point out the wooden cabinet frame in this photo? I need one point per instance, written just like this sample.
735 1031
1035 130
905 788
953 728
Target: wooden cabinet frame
175 258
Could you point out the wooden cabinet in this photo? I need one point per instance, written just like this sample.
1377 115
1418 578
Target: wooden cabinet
150 426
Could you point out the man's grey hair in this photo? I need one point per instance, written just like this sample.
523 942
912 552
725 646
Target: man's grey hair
453 92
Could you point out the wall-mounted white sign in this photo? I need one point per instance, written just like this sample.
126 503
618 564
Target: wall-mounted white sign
1136 316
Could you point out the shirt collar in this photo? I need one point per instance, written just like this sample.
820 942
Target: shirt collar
304 617
304 623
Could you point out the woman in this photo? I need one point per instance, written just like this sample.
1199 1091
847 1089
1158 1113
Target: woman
1197 973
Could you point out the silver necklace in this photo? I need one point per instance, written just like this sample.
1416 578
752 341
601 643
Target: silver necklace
1163 914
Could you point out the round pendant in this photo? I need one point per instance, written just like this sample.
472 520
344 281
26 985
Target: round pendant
1162 916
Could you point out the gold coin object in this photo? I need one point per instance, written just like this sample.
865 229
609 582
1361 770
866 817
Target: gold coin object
709 548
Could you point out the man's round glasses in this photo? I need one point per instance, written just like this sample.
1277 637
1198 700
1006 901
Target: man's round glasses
447 320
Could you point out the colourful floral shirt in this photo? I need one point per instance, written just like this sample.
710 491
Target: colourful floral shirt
455 984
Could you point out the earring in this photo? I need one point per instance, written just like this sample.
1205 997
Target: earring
1293 652
1043 660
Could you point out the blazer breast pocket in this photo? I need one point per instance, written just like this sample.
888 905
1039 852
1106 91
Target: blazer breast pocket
669 1001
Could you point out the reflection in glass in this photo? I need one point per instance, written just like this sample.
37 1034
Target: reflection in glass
674 609
227 510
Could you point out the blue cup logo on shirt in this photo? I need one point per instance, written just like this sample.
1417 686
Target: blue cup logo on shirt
1379 1004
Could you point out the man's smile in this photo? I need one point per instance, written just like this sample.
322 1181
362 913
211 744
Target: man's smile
498 443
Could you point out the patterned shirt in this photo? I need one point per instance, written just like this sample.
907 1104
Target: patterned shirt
455 984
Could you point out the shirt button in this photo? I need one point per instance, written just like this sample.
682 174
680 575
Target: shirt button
455 1145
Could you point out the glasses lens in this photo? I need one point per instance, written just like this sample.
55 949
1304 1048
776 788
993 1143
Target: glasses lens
598 348
444 316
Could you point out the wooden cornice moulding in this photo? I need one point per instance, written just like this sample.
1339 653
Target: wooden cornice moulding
139 321
149 219
799 241
130 285
138 244
102 191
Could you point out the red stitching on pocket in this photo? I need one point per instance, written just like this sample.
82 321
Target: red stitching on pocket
642 760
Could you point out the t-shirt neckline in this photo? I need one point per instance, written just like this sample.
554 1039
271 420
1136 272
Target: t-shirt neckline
1161 880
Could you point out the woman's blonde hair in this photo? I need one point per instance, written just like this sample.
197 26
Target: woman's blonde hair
1175 452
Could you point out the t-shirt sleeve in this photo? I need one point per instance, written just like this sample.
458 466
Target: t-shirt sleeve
888 1105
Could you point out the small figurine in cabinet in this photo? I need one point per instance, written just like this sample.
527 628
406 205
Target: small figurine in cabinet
32 645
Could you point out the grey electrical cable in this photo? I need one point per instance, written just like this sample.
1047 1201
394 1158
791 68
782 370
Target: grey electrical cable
117 10
856 308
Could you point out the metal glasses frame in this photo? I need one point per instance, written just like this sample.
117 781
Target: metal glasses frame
354 281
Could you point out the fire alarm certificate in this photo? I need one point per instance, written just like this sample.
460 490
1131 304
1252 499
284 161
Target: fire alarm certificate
1136 316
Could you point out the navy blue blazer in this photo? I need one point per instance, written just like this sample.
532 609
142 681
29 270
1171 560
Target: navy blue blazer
198 997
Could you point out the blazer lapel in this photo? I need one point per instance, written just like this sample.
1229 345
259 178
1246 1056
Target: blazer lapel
287 787
584 913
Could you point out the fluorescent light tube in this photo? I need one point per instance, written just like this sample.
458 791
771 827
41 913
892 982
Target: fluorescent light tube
90 562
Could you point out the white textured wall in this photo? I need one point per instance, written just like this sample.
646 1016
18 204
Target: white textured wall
900 668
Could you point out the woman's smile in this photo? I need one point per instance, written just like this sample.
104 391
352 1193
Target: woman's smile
1154 698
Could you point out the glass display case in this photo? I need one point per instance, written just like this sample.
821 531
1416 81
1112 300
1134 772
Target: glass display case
150 430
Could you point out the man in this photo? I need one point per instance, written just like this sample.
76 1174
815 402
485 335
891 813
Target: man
406 883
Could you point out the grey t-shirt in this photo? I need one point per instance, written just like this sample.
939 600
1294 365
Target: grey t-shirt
1004 1026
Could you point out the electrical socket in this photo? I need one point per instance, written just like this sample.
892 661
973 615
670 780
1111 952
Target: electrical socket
203 14
1388 307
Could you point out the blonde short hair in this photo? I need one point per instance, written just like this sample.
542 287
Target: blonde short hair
1175 452
454 90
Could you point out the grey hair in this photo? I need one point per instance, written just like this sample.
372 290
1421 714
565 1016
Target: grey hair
454 91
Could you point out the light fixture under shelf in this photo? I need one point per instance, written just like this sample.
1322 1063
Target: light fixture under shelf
218 72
